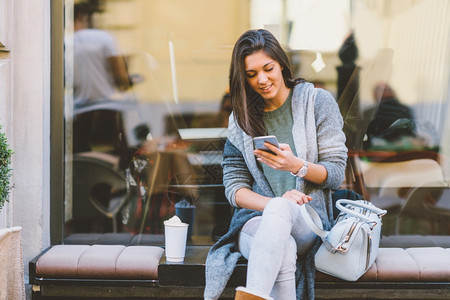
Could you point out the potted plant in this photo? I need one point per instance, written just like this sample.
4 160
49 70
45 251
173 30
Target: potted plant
10 237
5 169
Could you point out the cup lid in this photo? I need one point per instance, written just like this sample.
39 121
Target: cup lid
166 223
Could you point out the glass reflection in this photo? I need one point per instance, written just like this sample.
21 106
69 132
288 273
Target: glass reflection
149 123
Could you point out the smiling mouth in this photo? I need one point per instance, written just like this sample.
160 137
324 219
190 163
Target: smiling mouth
265 88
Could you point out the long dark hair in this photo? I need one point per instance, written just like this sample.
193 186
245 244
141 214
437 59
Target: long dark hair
248 105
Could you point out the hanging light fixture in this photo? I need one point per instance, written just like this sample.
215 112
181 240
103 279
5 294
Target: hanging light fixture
318 64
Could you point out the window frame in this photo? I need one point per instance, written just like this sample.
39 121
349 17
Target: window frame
57 124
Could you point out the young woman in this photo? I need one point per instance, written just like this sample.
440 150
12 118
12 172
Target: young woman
267 189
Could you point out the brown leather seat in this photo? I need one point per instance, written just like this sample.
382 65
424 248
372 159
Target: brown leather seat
100 261
429 264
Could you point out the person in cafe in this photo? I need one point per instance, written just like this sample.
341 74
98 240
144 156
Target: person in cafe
391 118
100 80
267 189
100 77
219 119
225 110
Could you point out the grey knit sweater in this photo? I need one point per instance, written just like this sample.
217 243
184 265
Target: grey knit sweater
318 138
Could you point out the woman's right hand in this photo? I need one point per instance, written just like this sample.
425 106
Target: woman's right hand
297 197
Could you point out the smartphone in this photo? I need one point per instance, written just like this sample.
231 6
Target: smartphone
260 140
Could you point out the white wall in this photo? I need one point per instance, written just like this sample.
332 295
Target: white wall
24 112
5 89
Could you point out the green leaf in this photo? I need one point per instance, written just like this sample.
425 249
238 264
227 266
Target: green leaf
5 169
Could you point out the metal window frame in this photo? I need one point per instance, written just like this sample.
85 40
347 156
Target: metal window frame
57 124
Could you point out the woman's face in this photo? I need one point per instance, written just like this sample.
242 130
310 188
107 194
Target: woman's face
264 76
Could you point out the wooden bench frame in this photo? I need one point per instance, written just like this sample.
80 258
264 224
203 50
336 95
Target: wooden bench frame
186 281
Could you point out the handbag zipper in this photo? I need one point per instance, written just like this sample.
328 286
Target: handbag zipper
341 246
369 248
350 232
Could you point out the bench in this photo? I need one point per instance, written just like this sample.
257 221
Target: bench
115 271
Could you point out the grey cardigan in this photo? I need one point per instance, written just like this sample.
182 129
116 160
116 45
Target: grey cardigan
318 138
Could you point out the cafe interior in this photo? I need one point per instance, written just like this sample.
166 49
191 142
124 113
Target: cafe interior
153 148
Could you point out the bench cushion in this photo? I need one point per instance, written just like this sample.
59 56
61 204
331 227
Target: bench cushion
100 261
138 262
393 264
433 263
429 264
141 262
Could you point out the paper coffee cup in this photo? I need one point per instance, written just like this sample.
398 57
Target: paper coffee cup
175 240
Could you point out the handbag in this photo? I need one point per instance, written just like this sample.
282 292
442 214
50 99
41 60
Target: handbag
350 248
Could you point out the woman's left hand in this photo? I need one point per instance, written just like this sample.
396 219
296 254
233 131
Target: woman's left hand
283 159
297 197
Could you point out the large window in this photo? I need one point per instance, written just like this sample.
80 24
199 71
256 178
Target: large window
146 107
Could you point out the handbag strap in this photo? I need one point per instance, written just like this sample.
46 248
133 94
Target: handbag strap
312 219
339 204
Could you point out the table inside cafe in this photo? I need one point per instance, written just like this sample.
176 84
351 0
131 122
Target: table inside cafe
189 170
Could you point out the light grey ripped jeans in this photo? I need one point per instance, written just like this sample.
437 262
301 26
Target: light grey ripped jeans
271 243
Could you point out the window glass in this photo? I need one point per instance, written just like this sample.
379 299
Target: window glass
147 105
